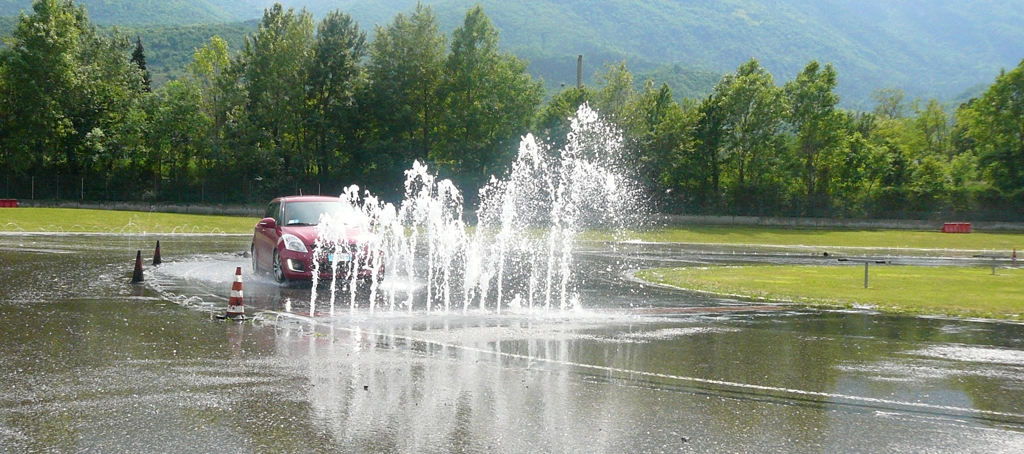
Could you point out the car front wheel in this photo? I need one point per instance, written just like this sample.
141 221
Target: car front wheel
278 268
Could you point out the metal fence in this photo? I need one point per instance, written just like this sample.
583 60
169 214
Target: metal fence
61 188
243 197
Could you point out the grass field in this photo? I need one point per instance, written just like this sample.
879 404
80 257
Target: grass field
958 291
109 221
914 239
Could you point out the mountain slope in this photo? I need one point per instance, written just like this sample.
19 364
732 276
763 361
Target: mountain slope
929 48
148 12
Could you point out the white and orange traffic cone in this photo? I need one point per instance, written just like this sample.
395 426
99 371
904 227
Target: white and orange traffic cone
236 307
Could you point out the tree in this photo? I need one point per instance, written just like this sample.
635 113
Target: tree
179 136
932 125
553 120
67 89
405 70
700 166
334 76
862 163
753 109
890 102
272 66
819 130
40 72
210 70
996 123
615 90
654 123
139 59
489 99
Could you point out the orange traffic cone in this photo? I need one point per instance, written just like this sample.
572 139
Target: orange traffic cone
156 254
137 275
236 307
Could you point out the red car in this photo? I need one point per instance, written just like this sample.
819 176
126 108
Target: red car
284 240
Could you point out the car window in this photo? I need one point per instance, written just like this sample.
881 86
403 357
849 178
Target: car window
273 211
308 213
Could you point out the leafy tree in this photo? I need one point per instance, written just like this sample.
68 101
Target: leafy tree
889 102
963 181
995 122
932 125
334 76
818 127
615 90
210 69
655 124
405 70
753 107
553 120
928 183
862 164
699 168
10 158
67 89
489 103
179 136
272 68
41 63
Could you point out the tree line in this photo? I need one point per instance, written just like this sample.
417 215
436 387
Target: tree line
312 107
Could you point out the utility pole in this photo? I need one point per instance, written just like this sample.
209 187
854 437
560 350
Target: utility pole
579 71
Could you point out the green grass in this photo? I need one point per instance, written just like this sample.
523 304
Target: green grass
109 221
914 239
958 291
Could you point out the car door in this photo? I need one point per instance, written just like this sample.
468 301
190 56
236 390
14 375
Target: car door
265 237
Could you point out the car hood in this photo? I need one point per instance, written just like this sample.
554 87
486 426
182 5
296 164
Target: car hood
308 233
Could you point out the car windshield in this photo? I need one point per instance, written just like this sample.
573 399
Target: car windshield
308 213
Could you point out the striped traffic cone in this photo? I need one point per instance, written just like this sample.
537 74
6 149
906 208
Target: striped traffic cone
156 254
137 274
236 307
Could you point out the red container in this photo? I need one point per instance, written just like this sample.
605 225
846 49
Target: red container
956 227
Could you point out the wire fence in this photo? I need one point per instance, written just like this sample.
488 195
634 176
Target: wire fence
61 190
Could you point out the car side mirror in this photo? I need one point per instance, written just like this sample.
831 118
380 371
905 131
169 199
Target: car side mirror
268 223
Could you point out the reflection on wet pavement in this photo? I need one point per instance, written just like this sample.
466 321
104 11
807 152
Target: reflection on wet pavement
91 363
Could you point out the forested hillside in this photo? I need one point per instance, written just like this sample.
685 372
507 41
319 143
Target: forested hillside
315 106
928 48
169 48
136 12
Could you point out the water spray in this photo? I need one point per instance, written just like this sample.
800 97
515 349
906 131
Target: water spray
521 250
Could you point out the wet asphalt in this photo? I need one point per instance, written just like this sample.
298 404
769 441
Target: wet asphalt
91 363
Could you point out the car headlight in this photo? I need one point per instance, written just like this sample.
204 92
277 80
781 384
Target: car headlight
293 243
